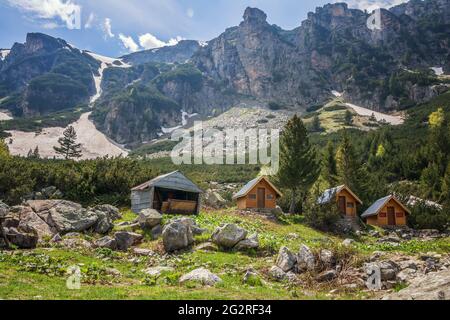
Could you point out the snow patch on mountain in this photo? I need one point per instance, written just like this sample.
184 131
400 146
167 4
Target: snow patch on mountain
439 71
4 53
4 116
391 119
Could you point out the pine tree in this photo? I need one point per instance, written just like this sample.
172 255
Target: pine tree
316 126
36 154
68 148
299 168
348 118
329 165
4 150
347 163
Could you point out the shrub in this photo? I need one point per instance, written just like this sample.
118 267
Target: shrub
426 217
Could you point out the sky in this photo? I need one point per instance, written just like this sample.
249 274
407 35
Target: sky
117 27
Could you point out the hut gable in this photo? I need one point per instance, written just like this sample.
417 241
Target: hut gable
259 193
386 211
169 193
345 198
330 194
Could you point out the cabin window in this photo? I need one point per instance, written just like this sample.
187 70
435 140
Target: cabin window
350 205
252 196
399 214
270 197
383 215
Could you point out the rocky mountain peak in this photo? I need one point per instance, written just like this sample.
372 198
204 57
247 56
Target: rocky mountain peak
254 16
39 42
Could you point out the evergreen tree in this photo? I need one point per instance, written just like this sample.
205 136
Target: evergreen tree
36 153
347 163
316 127
299 168
4 150
329 165
68 148
348 118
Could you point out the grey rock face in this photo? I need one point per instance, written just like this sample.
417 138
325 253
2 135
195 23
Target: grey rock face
106 242
251 242
228 236
305 259
22 239
177 235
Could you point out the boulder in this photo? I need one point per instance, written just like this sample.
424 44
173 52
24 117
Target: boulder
277 212
327 276
177 235
202 276
156 232
286 260
433 286
125 239
104 224
277 273
56 238
106 242
250 243
388 269
149 218
305 259
228 236
22 239
111 212
142 252
74 243
252 277
31 222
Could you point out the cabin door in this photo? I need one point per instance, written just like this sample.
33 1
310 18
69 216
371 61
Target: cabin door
342 205
391 216
261 198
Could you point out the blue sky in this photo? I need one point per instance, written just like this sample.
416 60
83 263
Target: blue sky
116 27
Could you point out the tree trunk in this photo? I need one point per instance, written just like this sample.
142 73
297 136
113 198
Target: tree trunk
293 206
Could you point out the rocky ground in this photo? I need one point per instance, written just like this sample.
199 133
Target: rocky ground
220 254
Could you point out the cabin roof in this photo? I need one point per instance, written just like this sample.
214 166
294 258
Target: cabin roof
376 207
249 186
173 180
328 194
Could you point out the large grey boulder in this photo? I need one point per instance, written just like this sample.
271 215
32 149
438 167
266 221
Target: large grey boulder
305 259
326 257
213 199
106 215
111 212
251 243
32 223
286 260
149 218
125 239
228 236
388 269
202 276
433 286
177 235
22 239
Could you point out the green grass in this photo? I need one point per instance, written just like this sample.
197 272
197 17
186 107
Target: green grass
41 273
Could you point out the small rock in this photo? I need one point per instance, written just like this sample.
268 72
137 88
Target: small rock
142 252
286 259
156 232
228 235
207 246
177 235
76 243
326 257
149 218
248 244
202 276
56 238
127 239
305 259
277 273
106 242
348 242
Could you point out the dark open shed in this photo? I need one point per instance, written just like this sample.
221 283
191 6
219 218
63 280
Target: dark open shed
171 193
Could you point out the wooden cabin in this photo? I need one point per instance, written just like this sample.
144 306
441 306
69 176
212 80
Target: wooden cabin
171 193
387 211
345 198
259 193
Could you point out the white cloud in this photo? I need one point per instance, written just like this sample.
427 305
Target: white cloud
190 12
66 11
107 28
371 5
149 41
129 43
90 21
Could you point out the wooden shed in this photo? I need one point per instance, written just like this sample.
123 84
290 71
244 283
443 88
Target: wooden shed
171 193
259 193
346 199
387 211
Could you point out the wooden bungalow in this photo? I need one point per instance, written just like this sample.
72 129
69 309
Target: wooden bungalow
345 198
259 193
171 193
387 211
